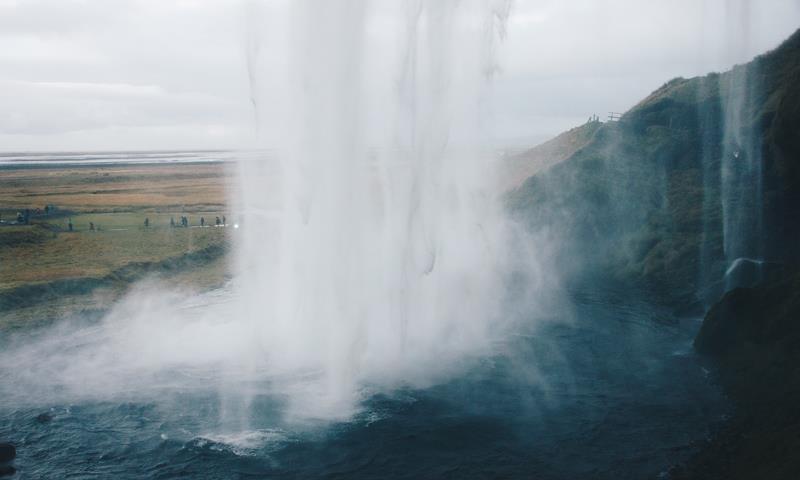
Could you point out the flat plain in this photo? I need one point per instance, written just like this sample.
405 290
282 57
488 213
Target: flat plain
49 270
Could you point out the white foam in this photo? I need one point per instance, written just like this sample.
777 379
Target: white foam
246 443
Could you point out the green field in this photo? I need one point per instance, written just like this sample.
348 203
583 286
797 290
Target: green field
47 271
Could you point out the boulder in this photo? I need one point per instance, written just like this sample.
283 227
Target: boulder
752 335
7 452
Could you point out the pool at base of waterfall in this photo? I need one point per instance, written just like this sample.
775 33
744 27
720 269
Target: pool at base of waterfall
615 392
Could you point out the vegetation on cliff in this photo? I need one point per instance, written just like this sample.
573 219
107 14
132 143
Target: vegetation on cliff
642 198
659 199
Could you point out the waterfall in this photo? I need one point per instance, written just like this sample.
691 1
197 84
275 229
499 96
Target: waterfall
370 245
372 240
741 171
731 164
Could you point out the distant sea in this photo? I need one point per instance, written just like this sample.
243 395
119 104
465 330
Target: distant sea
103 158
50 159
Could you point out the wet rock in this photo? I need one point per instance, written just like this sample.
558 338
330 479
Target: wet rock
44 417
758 323
752 335
749 272
7 452
7 470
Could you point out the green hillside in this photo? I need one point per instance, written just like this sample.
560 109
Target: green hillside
642 200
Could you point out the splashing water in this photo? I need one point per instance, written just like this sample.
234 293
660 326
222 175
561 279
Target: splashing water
389 238
741 178
372 250
732 164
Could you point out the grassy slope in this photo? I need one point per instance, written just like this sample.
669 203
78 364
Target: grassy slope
523 165
641 200
612 203
94 254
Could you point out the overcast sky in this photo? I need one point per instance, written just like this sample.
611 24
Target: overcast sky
157 74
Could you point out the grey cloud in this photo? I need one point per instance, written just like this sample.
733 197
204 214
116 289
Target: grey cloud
122 73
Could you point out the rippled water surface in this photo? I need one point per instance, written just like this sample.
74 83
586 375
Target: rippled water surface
614 392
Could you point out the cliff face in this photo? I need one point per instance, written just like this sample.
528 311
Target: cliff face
702 173
695 194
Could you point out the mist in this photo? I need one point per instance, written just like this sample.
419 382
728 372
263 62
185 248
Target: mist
372 248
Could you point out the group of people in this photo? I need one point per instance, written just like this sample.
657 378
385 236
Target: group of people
217 221
71 227
184 221
24 216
